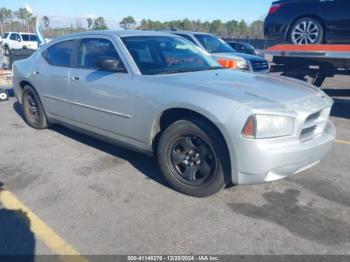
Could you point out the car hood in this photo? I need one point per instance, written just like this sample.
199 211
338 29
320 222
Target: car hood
235 55
243 86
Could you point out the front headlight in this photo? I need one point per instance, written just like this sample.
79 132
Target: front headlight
234 63
268 126
242 64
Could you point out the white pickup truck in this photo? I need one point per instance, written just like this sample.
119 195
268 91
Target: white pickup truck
14 40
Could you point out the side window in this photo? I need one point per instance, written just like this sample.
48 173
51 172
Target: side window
187 37
60 54
92 49
15 37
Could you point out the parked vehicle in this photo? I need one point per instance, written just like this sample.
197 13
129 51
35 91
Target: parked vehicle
243 48
225 54
4 95
13 40
160 94
309 21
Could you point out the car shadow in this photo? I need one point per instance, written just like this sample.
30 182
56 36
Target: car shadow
17 241
337 92
145 164
341 108
318 225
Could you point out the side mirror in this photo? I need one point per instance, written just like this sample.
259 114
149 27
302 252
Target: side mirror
110 64
19 40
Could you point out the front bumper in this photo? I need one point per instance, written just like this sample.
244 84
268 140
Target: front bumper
259 162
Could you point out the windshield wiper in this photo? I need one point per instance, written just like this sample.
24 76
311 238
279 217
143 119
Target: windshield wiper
189 70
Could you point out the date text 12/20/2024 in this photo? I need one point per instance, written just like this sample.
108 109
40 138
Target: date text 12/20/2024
173 258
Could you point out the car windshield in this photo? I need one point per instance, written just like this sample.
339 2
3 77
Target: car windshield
29 37
168 55
6 35
214 44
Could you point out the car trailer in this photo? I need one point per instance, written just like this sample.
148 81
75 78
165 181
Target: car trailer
316 61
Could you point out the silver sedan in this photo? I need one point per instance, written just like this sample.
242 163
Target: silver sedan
160 94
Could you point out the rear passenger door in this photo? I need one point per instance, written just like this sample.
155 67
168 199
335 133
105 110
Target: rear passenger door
337 16
102 99
51 76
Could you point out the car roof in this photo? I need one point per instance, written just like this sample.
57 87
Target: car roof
123 33
21 33
186 32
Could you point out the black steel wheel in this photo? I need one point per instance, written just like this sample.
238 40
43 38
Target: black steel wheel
32 108
193 158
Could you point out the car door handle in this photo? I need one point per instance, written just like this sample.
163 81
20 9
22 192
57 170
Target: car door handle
75 78
36 73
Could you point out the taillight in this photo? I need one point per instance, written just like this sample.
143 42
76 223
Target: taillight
274 8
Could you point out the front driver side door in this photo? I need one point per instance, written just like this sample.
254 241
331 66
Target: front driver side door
102 100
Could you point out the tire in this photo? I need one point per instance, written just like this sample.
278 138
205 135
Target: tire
194 146
33 110
4 96
306 31
6 50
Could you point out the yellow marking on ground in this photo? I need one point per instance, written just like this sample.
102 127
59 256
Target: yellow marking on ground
342 142
51 239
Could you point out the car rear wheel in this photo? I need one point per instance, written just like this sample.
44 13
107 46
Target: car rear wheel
6 50
32 108
306 31
193 158
4 96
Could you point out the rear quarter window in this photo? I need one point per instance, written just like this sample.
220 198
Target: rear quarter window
60 54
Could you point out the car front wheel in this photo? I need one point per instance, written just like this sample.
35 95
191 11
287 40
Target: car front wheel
306 31
32 108
193 158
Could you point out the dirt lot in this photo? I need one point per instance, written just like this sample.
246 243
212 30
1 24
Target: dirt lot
101 199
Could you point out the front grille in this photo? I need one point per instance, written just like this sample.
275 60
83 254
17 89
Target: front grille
313 117
314 125
260 65
307 132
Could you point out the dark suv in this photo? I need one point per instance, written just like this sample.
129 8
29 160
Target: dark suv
309 21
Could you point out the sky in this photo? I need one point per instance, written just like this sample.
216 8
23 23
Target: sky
162 10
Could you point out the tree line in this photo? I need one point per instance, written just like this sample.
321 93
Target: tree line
22 20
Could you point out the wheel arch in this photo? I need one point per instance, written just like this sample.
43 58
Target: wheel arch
20 88
171 115
316 17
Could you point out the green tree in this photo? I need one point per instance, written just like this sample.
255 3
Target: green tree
100 24
243 29
186 25
90 22
127 22
5 14
24 16
231 27
46 21
215 27
256 29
